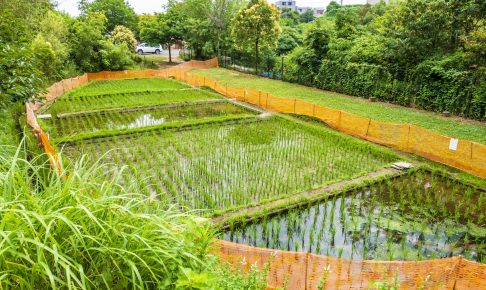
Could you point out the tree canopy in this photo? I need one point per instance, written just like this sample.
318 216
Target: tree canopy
256 25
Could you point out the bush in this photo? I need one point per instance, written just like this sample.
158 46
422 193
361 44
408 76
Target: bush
121 35
115 57
20 79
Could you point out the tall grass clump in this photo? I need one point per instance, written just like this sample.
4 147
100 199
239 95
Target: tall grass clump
85 231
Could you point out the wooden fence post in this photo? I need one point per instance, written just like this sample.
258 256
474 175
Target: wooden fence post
367 129
407 146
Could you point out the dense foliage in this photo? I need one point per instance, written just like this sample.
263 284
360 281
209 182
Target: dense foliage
418 53
39 45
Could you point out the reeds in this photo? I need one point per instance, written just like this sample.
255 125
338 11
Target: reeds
87 231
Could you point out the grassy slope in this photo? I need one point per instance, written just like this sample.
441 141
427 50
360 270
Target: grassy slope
453 127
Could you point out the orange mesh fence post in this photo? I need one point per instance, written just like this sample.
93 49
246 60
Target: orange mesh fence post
304 108
353 124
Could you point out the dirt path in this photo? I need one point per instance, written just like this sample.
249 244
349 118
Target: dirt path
274 207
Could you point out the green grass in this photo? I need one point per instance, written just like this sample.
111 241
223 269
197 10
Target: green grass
87 231
9 137
222 167
126 86
127 100
453 127
117 120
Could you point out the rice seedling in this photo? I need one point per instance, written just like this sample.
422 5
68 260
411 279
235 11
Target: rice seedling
220 168
67 104
382 222
126 86
122 120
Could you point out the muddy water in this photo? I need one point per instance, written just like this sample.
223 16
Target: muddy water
418 217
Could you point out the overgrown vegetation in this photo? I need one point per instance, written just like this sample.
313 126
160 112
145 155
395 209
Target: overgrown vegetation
87 231
435 62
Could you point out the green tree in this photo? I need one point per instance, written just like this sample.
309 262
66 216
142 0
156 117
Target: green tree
289 17
117 12
221 14
51 45
122 34
19 77
256 25
161 28
346 23
307 16
332 8
288 40
192 18
87 34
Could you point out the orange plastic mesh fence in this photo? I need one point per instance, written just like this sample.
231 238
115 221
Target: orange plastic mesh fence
353 125
298 270
285 268
393 135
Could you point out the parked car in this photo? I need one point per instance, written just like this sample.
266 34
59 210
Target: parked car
146 48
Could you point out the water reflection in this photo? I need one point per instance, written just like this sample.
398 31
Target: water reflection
141 121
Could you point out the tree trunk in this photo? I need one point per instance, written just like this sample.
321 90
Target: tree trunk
256 56
170 55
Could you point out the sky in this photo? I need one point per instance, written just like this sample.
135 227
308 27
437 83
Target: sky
150 6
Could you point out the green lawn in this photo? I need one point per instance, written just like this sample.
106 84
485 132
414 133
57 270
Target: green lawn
453 127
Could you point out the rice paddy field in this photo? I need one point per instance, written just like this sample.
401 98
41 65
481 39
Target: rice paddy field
135 118
416 217
192 148
221 167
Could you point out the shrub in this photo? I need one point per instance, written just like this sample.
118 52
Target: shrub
121 34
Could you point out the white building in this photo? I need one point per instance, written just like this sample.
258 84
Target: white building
292 5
